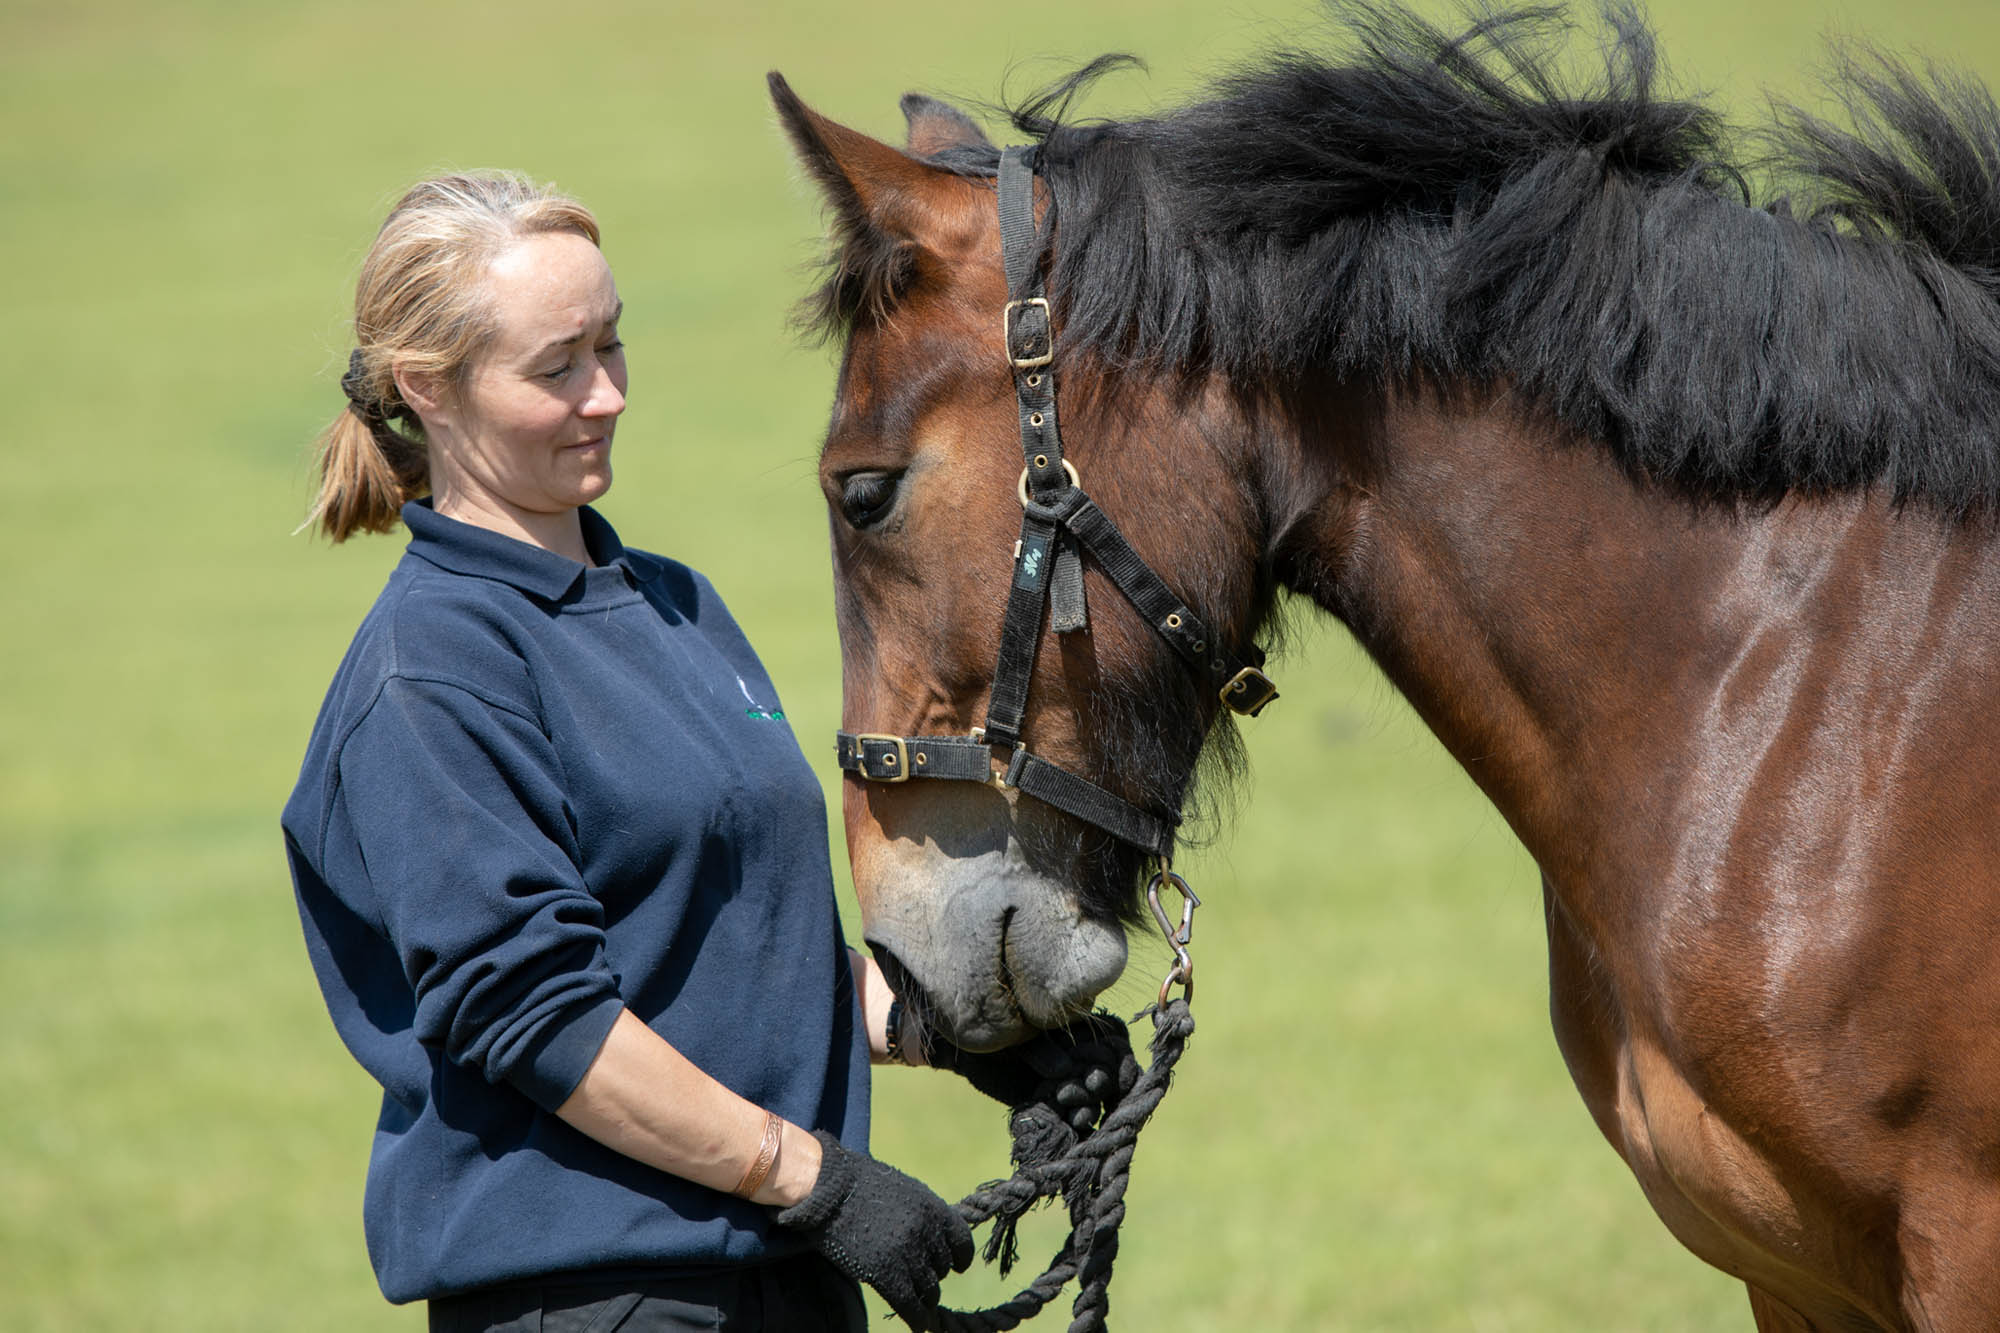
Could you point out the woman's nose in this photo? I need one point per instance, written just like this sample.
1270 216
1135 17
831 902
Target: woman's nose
606 397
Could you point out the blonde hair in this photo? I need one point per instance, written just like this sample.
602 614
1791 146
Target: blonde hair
421 304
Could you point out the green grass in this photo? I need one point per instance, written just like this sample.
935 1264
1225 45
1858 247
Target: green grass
1373 1130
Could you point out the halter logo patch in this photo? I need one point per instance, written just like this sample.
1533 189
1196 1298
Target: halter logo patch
1029 574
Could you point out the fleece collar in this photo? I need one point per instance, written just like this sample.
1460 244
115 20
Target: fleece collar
464 548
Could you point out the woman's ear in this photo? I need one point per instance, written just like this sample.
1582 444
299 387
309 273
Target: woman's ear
423 392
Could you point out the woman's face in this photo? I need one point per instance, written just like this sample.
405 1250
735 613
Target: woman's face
531 429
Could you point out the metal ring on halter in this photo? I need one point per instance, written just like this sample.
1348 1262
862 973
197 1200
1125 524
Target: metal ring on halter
1178 938
1068 467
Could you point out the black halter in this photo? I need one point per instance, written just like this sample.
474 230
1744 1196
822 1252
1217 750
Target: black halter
1057 519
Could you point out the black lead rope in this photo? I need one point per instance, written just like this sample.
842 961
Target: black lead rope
1075 1142
1059 1151
1087 1167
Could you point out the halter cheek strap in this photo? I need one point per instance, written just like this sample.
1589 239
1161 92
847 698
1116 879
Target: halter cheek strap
1058 522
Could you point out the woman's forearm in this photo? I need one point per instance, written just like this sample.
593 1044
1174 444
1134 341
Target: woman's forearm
647 1100
876 1000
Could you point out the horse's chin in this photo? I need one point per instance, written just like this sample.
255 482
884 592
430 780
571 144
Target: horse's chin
987 949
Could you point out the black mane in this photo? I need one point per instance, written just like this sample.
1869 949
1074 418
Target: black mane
1451 206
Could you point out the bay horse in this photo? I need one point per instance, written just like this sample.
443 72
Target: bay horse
1671 510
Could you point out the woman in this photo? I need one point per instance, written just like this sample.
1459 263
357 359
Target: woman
566 895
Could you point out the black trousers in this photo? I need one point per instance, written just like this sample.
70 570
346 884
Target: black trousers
803 1294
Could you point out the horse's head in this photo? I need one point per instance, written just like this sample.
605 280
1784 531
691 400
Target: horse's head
995 912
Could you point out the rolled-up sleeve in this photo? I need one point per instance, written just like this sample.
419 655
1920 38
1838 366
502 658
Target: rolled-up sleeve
455 803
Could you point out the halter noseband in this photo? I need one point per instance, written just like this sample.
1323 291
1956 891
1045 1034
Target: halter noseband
1057 519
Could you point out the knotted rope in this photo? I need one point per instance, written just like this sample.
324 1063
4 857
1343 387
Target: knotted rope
1075 1143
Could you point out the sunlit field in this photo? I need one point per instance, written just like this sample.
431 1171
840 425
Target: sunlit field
1373 1129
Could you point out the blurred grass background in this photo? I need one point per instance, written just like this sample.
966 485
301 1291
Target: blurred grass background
1374 1130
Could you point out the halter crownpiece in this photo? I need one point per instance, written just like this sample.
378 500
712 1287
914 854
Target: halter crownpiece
1058 522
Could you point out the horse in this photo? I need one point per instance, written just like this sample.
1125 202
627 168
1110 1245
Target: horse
1668 502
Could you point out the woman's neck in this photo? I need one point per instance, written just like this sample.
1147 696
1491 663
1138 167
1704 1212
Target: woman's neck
560 531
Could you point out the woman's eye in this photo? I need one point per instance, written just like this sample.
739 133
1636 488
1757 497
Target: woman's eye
611 348
555 376
866 496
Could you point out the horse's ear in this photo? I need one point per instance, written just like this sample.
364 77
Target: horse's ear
870 184
936 126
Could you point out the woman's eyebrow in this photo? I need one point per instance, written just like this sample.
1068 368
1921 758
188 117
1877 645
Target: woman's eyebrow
617 313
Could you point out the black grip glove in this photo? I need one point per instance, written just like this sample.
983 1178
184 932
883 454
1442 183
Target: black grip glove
879 1226
1080 1070
1013 1077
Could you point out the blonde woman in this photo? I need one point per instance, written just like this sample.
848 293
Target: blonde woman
561 865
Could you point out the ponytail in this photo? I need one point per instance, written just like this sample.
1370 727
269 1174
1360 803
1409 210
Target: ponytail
367 468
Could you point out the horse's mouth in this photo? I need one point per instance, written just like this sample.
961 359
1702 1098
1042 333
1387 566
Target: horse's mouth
924 1012
984 950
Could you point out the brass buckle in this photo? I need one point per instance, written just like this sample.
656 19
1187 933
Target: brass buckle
1248 691
898 758
1007 333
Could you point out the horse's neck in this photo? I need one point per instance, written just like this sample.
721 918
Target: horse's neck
1575 638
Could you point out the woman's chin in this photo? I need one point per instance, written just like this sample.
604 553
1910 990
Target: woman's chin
594 483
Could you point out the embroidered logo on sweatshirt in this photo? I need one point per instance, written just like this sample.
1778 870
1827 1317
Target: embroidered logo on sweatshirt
756 709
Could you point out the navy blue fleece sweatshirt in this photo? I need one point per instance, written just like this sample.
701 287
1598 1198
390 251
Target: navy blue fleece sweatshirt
538 792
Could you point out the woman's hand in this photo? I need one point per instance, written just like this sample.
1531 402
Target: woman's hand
1081 1070
879 1226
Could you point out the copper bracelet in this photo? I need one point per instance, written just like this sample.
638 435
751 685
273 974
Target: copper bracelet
759 1170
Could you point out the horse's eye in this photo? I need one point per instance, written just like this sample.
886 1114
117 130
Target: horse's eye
866 496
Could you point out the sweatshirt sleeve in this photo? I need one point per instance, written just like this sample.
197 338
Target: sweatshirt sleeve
455 804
